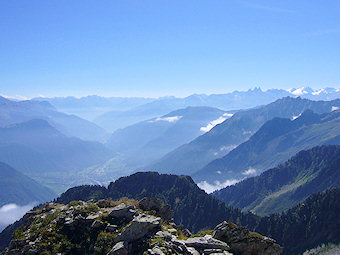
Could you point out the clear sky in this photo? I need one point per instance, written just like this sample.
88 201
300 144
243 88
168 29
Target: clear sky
158 48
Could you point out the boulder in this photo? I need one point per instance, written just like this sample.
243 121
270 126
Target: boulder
206 242
121 248
140 226
244 242
123 211
154 204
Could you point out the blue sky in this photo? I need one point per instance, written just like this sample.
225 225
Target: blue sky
158 48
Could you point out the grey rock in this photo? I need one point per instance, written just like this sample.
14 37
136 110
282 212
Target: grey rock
121 248
97 224
92 217
242 241
154 204
193 251
111 228
206 242
139 227
123 211
156 251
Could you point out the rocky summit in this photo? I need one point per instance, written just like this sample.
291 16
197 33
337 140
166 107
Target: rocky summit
125 227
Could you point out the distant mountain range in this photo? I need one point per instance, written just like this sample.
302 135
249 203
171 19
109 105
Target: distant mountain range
116 112
149 140
19 189
223 138
275 142
283 187
90 107
12 112
40 151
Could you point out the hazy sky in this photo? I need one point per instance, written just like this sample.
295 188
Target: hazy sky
157 48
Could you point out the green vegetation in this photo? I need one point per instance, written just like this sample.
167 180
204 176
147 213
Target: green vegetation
311 223
190 204
104 242
287 185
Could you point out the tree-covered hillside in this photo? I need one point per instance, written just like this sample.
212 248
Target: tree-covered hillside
288 184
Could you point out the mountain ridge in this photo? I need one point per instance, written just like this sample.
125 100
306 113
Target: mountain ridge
274 143
288 184
189 158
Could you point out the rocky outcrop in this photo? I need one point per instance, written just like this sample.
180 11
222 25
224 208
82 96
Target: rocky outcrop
158 206
165 243
244 242
126 227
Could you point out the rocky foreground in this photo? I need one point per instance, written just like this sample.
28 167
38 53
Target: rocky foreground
127 227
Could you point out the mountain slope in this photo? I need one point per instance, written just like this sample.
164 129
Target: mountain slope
20 189
37 149
127 227
61 152
285 186
313 222
220 140
190 204
275 142
146 141
12 112
307 225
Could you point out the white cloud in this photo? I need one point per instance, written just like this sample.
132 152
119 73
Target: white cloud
250 171
335 108
213 123
11 212
209 188
228 115
295 117
223 150
219 172
168 119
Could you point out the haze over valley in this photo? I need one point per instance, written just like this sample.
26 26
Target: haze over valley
170 127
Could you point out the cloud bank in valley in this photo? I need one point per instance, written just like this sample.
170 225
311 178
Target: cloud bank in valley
213 123
167 119
209 188
250 171
11 212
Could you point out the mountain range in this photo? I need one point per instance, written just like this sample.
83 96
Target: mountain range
39 150
112 113
275 142
223 138
12 112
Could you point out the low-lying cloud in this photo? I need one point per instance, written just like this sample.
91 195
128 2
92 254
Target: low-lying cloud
250 171
213 123
167 119
12 212
209 188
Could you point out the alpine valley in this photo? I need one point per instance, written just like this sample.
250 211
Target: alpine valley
244 173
